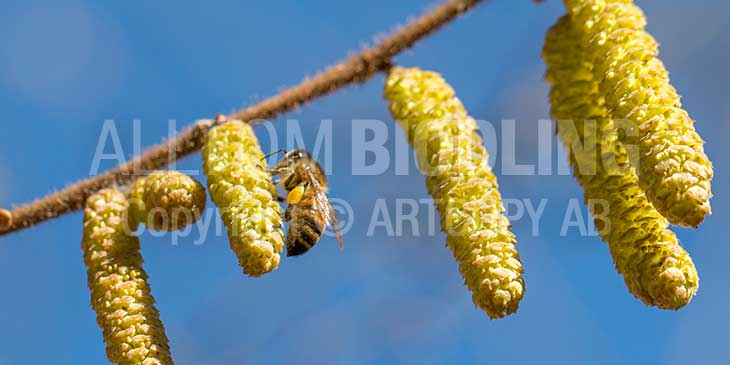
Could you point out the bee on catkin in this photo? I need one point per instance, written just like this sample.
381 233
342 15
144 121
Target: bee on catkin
120 294
241 187
166 200
672 166
308 209
452 156
656 269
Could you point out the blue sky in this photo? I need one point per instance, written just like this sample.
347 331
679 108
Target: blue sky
64 69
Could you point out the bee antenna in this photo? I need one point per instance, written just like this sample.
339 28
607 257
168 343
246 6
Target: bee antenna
280 150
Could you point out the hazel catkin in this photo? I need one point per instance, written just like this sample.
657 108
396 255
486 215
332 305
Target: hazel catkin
167 200
672 166
241 187
656 269
452 156
120 293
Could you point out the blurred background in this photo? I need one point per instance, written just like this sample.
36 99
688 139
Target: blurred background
387 298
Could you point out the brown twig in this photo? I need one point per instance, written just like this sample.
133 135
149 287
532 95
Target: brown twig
6 219
356 69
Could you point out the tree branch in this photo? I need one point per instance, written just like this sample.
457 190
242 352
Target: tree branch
356 69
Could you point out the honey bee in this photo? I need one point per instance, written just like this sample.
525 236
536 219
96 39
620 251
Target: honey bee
308 210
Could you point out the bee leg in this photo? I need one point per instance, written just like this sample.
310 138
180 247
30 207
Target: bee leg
280 198
286 216
287 213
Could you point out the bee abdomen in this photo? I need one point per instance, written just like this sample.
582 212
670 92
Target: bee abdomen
304 232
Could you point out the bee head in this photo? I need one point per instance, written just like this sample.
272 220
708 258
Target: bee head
296 155
290 159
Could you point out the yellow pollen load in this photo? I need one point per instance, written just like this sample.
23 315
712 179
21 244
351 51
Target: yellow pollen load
120 294
672 166
656 269
167 200
241 188
451 154
295 196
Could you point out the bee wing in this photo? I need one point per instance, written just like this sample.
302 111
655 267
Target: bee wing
334 221
323 204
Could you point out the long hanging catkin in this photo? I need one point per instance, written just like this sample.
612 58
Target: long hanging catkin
166 200
655 267
452 156
120 294
242 189
672 166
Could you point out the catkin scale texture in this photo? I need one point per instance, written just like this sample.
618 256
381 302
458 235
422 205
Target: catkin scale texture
120 294
656 269
241 187
452 156
672 166
166 200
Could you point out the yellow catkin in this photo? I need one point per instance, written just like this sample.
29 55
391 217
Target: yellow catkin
655 267
672 166
452 156
120 294
241 187
167 200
